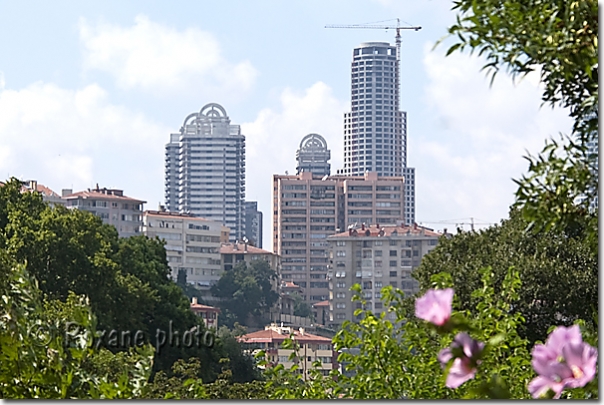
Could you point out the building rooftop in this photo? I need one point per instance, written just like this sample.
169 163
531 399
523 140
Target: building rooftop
321 304
171 214
42 189
388 230
242 248
103 193
276 334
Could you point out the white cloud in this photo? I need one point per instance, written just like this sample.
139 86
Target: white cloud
159 59
468 172
273 138
66 138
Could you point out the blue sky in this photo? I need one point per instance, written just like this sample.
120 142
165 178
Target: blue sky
90 91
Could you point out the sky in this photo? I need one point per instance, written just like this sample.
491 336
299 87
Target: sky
90 92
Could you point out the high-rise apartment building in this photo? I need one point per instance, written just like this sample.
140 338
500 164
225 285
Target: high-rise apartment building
375 130
313 156
253 223
309 208
205 169
373 256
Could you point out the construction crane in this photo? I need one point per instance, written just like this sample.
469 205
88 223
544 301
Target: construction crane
398 29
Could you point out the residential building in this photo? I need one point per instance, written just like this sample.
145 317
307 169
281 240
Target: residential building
207 313
373 256
205 169
313 156
192 245
375 130
309 208
253 223
312 348
48 196
232 254
111 205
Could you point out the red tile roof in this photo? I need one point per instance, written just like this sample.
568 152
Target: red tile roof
201 307
289 284
42 189
100 194
242 249
321 304
271 335
388 229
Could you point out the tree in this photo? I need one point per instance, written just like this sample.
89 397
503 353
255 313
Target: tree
301 308
246 290
126 280
559 275
558 39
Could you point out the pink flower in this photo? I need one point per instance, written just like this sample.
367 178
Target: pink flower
465 364
435 306
565 361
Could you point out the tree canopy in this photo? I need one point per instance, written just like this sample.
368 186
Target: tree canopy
246 291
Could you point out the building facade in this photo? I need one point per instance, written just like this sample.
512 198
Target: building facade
253 223
373 256
313 156
375 130
308 209
192 245
112 206
312 348
205 169
208 314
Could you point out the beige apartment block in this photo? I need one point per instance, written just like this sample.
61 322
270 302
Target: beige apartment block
192 244
374 257
312 348
309 208
112 206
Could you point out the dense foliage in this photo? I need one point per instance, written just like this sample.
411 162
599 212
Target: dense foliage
125 280
247 293
559 274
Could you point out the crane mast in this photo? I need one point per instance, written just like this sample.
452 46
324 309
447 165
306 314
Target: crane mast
398 41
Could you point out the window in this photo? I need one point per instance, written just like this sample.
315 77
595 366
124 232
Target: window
341 243
340 295
340 305
378 243
341 284
378 284
393 274
340 316
393 253
393 242
378 253
378 305
340 274
378 295
323 346
392 263
283 359
341 253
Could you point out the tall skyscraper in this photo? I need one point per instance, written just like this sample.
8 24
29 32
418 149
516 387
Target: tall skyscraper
375 130
313 156
205 169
